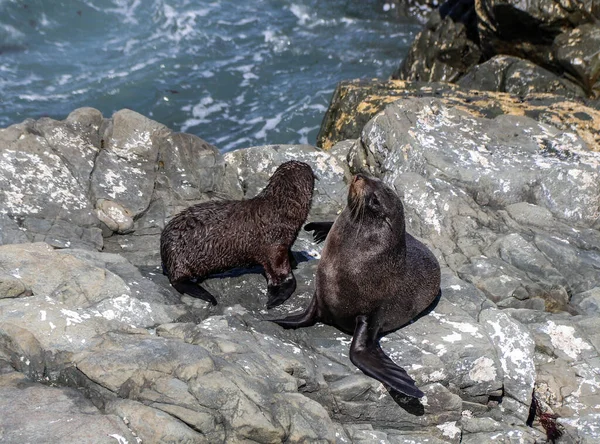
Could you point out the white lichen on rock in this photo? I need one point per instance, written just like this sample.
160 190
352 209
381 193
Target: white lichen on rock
449 429
483 370
563 338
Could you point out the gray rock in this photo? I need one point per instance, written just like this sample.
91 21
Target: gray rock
463 294
11 233
364 433
254 166
500 282
70 301
242 378
515 347
479 430
517 76
36 162
40 413
114 215
125 169
155 426
583 429
566 361
355 102
588 301
464 179
577 52
69 183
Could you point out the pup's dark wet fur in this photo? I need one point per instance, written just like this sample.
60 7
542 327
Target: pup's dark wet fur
216 236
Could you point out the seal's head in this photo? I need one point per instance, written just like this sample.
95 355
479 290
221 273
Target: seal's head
372 202
290 189
292 176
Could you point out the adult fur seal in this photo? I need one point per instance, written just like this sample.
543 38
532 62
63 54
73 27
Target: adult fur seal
216 236
373 278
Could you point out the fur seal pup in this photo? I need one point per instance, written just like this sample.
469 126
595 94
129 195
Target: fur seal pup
216 236
373 278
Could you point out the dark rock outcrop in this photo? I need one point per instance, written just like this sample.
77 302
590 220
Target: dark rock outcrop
528 29
578 53
559 39
441 52
517 76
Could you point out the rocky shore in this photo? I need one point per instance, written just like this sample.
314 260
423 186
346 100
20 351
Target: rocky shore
96 347
499 176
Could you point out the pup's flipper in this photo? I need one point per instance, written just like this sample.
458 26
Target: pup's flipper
280 293
194 290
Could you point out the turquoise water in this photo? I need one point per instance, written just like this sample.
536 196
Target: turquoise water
236 73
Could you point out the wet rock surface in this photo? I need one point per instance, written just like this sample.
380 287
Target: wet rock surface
508 204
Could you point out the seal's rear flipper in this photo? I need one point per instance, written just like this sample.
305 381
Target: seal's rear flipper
320 230
304 319
194 290
368 356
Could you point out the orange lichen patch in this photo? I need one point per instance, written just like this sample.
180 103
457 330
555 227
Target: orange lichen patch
355 102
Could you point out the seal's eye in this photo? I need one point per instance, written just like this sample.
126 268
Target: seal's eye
374 201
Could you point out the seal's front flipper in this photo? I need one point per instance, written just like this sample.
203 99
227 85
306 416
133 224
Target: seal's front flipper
320 230
304 319
368 356
281 282
194 290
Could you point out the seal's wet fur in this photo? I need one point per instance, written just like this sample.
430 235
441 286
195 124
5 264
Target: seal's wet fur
373 278
216 236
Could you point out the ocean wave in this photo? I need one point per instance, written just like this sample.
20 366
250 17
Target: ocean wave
234 73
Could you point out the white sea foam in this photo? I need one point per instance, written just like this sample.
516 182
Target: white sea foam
42 98
301 12
184 23
269 125
12 33
126 9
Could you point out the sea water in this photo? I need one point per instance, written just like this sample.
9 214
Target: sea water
236 73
